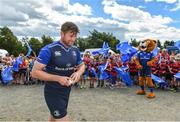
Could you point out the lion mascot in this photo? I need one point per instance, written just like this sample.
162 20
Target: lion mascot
144 60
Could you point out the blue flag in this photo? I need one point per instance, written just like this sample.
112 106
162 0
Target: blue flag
124 75
7 75
103 76
103 73
155 51
123 47
105 46
118 46
29 50
125 57
104 50
96 52
177 44
177 75
160 59
16 63
126 50
158 80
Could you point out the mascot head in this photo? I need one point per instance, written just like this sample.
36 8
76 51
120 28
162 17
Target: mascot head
147 45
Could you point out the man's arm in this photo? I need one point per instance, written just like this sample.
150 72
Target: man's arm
75 77
37 72
81 68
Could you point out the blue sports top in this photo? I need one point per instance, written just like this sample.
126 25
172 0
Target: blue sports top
58 59
144 57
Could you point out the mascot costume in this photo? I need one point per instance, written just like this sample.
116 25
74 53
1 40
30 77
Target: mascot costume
144 60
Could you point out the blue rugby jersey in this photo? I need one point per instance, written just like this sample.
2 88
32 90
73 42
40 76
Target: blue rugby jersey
144 57
58 59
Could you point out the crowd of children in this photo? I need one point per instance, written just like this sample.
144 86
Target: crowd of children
166 67
21 73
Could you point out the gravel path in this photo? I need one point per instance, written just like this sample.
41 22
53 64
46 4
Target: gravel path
27 103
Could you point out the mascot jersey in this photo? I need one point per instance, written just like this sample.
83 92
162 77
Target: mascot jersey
143 58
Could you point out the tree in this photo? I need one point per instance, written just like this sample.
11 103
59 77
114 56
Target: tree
35 45
96 39
168 43
9 42
159 44
134 42
82 43
46 40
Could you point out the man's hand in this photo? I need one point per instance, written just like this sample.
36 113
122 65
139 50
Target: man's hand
64 81
75 77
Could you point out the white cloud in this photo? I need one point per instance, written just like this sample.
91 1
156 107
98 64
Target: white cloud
141 24
166 1
63 6
35 27
60 3
12 14
35 18
177 2
129 13
85 23
166 33
177 7
51 16
124 13
77 8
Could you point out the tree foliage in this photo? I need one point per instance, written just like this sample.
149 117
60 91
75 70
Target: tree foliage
95 39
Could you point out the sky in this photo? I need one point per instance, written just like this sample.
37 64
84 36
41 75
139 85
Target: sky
125 19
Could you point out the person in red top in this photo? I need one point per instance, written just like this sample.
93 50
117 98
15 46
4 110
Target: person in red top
133 71
165 54
118 60
108 68
169 75
97 63
86 59
163 68
112 72
174 67
92 72
22 70
119 64
154 69
84 77
177 80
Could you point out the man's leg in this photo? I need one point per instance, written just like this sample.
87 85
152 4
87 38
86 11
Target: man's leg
51 119
64 119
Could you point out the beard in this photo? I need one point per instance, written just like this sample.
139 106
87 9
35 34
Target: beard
67 43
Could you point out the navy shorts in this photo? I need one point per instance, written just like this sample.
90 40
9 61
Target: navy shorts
57 97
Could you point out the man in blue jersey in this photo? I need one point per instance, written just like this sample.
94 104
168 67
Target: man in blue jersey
56 65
